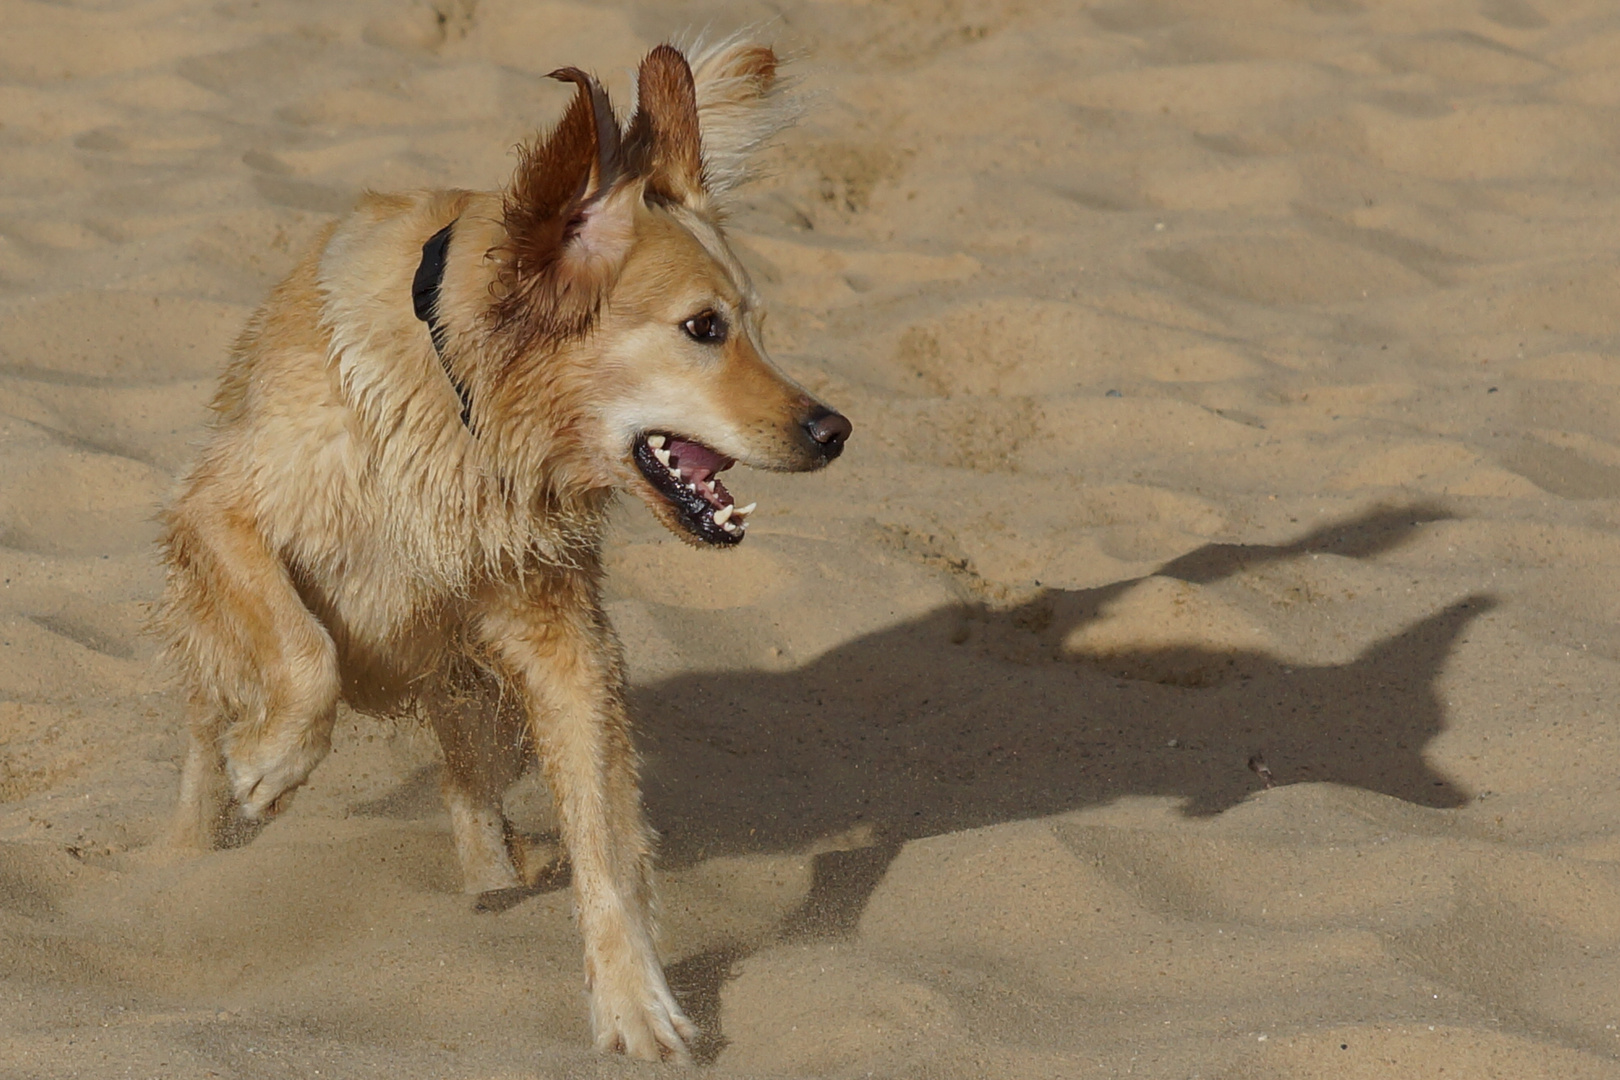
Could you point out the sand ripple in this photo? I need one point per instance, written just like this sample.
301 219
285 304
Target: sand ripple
1201 664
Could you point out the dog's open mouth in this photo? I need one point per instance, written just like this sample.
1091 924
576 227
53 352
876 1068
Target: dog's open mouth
687 475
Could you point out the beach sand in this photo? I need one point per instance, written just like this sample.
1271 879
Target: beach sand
1201 664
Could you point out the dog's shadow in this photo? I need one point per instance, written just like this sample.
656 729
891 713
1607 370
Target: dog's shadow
969 717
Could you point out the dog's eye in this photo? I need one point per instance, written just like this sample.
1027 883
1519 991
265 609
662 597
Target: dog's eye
706 327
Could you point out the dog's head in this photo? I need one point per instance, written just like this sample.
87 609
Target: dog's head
623 315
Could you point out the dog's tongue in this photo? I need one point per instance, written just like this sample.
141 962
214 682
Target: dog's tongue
696 461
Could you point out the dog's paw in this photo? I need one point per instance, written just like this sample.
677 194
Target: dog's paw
265 775
633 1013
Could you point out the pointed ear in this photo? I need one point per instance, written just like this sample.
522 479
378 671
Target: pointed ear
664 143
567 219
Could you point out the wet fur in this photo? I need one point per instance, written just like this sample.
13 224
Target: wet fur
343 536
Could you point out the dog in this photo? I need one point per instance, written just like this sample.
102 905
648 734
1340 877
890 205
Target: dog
401 500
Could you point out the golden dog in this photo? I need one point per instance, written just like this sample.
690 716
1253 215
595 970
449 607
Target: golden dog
401 500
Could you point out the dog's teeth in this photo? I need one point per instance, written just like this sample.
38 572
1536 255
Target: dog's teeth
690 487
729 527
744 511
656 442
722 516
662 456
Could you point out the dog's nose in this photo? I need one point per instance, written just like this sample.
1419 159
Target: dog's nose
829 429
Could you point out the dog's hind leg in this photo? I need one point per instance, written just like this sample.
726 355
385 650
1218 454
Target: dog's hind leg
558 646
484 754
250 646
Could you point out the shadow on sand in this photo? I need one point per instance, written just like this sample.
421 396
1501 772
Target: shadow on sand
969 717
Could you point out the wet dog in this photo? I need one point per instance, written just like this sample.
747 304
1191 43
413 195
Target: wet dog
401 500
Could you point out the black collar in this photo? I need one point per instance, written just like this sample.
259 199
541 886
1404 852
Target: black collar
425 299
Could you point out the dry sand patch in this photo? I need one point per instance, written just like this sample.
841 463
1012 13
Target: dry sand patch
1202 664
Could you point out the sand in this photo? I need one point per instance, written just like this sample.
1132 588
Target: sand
1202 663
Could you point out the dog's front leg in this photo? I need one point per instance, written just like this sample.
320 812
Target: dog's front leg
558 645
266 679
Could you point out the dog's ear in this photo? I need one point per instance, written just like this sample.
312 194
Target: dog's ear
742 102
569 220
664 143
